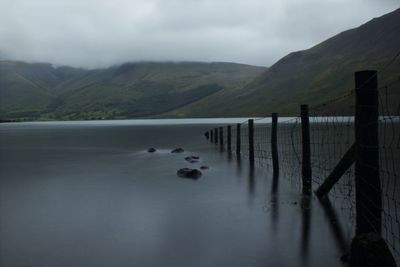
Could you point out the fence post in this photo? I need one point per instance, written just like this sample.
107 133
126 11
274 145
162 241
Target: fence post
221 137
251 142
367 181
212 136
215 135
238 139
229 141
274 144
306 151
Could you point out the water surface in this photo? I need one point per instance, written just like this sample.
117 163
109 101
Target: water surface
88 194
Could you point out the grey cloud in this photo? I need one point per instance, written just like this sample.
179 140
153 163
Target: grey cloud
93 33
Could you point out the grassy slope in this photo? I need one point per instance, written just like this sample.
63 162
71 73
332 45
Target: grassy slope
312 76
147 89
126 91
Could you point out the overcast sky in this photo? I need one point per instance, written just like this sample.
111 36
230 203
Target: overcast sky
99 33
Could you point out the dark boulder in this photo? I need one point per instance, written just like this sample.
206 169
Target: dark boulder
189 173
370 250
178 150
192 159
151 150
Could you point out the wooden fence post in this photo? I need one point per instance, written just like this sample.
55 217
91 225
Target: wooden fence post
238 139
274 144
221 137
306 151
215 135
251 142
367 181
229 141
344 164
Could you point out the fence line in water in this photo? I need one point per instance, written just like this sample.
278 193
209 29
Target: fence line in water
370 138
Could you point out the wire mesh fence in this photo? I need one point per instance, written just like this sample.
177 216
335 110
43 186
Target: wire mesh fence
332 134
389 163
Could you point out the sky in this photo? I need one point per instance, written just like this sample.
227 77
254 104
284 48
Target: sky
100 33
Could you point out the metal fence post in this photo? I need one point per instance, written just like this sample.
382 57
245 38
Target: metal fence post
251 142
367 181
238 139
221 137
229 139
306 151
274 144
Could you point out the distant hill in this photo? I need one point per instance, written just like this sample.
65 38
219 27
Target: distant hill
131 90
312 76
137 90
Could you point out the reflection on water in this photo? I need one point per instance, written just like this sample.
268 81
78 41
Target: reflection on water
76 194
274 200
334 224
305 229
251 184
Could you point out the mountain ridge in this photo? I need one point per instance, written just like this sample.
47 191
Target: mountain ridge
42 91
315 75
190 89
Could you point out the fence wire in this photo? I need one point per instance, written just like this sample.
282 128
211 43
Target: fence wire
389 164
331 136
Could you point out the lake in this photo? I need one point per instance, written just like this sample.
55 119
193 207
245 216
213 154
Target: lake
89 194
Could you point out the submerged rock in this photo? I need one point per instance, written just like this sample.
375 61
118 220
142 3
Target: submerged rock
370 250
189 173
204 168
192 159
151 150
178 150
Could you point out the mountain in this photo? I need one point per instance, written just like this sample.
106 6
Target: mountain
137 90
27 89
313 76
130 90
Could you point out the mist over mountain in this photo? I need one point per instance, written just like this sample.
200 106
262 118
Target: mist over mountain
313 76
135 90
131 90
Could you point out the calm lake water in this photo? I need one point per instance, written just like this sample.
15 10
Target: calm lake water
76 194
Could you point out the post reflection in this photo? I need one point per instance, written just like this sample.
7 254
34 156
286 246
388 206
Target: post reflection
274 201
334 224
229 156
238 165
251 184
305 231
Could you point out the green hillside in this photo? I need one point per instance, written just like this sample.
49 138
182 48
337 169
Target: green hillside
131 90
137 90
313 76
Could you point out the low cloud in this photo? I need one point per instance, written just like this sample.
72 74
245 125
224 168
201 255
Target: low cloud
95 33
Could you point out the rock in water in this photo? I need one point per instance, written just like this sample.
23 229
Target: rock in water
204 168
189 173
370 250
192 159
178 150
151 150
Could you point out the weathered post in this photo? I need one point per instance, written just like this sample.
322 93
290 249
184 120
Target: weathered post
367 181
221 137
344 164
212 136
207 135
306 151
238 139
229 139
215 135
251 142
274 144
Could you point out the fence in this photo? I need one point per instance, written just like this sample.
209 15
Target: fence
346 150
